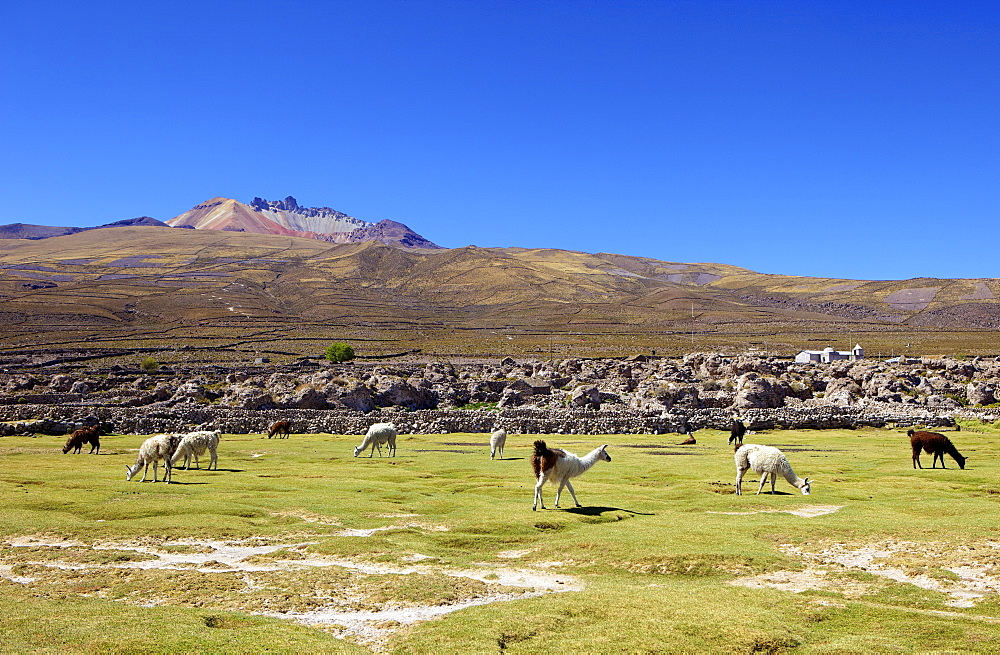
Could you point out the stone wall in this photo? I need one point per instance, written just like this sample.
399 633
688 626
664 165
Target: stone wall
59 419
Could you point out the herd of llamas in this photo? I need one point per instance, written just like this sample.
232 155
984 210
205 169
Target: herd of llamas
553 465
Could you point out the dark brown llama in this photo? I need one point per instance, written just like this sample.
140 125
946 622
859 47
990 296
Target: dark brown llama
936 444
279 428
736 432
90 434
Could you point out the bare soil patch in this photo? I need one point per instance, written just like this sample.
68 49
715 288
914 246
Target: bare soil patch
364 601
964 573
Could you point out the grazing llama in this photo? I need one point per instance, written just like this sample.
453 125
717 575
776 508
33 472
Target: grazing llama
152 450
736 432
279 428
195 444
378 434
937 445
557 465
90 434
497 441
769 462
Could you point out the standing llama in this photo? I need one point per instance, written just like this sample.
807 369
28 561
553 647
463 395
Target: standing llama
769 462
194 444
90 434
736 432
152 450
378 434
497 441
557 465
937 445
279 428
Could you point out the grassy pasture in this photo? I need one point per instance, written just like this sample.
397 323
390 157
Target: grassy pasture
655 551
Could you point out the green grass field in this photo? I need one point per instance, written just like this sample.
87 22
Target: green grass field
295 546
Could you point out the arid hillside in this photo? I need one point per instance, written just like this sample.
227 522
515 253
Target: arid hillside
222 294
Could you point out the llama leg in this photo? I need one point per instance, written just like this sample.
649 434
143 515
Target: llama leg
569 485
739 481
559 491
763 481
538 493
774 478
214 463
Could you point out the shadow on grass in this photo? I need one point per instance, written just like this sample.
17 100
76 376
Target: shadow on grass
597 511
509 459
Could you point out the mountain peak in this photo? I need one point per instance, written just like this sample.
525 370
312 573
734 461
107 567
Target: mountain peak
287 218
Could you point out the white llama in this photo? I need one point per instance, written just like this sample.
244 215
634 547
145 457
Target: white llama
557 465
152 450
497 441
378 434
769 462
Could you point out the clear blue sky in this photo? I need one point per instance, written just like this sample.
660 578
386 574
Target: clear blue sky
840 139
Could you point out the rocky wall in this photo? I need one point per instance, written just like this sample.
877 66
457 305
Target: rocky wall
60 419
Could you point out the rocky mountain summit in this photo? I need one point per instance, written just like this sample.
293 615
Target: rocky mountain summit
640 394
287 218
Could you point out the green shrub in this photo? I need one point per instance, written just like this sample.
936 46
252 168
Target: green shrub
149 365
339 352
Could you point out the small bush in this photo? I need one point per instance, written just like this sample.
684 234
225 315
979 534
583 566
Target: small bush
339 352
149 365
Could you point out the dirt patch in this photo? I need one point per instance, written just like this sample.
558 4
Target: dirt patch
912 299
309 517
365 601
964 572
807 511
811 579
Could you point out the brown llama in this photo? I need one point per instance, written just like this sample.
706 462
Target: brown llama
936 444
278 428
90 434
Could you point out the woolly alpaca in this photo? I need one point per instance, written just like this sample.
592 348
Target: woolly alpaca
378 434
736 432
279 428
557 465
769 462
152 450
497 441
936 444
195 444
90 434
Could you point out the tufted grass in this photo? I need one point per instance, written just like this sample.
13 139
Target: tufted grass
659 540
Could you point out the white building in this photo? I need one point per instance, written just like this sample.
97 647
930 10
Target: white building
828 355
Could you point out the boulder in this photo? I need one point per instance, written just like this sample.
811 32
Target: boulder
360 398
980 393
755 392
586 396
61 383
842 391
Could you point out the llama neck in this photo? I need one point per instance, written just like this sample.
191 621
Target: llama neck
589 459
793 479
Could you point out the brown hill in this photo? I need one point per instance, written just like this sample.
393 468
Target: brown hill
212 289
